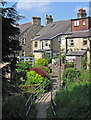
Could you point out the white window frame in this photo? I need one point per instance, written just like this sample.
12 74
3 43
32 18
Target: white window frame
83 22
71 42
62 40
23 41
76 23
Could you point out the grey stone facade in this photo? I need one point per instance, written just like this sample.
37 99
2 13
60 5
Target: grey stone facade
28 31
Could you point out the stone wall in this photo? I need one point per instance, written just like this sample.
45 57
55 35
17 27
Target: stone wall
28 35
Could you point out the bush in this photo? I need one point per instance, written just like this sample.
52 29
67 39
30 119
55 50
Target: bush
47 57
67 65
41 62
33 78
72 76
21 69
39 71
46 69
14 107
72 104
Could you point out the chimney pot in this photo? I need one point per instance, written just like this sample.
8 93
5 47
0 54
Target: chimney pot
48 19
81 13
50 16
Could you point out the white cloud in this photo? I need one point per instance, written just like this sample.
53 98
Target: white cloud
38 6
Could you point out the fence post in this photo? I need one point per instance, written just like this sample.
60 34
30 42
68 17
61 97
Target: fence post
65 81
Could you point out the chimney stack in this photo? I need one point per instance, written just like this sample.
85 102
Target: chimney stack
36 20
81 13
48 19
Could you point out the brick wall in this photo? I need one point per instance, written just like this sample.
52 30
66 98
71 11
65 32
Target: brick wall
81 27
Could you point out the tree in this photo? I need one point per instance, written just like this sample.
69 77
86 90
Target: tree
10 42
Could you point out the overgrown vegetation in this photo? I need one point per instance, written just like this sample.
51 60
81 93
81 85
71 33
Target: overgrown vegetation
47 57
14 108
68 65
73 103
21 69
41 62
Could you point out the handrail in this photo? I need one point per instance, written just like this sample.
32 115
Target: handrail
53 104
34 96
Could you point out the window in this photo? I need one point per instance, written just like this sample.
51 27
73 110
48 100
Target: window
23 41
36 44
84 41
62 40
76 23
71 42
63 49
23 53
46 44
83 22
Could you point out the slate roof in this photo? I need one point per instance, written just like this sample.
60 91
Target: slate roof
76 53
53 29
80 34
25 26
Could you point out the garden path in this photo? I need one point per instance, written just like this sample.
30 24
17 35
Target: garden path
43 102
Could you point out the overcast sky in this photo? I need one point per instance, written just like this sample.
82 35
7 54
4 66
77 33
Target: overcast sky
59 10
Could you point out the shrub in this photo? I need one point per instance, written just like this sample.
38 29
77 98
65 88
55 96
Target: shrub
39 71
72 76
21 69
67 65
33 78
47 57
14 107
72 104
46 69
41 62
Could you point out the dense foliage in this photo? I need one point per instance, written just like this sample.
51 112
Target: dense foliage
10 44
68 65
41 62
72 75
33 78
73 103
21 69
14 108
47 57
39 71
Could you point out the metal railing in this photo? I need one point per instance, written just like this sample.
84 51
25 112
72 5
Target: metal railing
53 104
33 96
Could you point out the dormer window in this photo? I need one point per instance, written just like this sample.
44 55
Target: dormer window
36 44
83 22
76 23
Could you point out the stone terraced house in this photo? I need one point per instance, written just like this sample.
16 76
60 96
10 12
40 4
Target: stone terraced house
67 36
27 32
